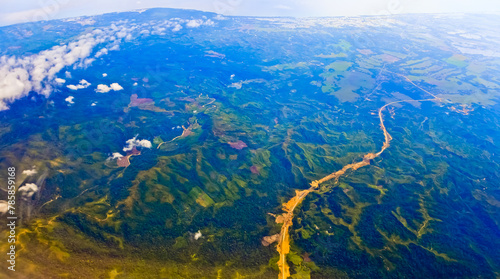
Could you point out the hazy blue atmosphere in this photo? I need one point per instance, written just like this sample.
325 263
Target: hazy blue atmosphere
35 10
247 139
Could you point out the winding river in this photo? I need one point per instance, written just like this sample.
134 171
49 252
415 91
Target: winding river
286 218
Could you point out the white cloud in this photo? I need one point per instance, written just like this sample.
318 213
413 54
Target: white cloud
158 30
70 100
121 34
197 235
220 17
4 207
131 143
29 172
104 75
87 21
115 155
115 47
37 72
83 84
177 28
103 88
101 52
194 23
87 62
27 190
14 83
93 104
116 87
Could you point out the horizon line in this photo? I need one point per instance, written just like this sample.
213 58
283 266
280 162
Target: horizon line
255 16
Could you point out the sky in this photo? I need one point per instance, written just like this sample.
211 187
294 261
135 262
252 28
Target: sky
15 11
